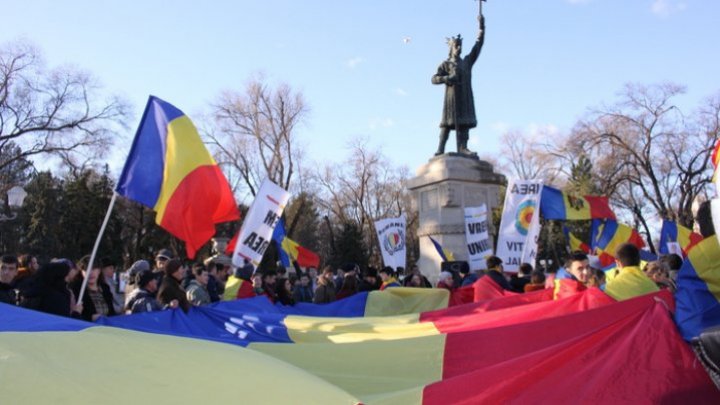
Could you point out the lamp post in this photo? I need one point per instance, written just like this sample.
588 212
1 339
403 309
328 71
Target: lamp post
15 198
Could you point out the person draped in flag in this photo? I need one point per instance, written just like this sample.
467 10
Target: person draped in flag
629 280
387 274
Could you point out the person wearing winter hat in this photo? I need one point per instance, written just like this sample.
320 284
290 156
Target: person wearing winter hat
142 298
131 277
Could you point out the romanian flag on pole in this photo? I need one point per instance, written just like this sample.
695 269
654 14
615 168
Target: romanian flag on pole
612 235
555 204
291 250
170 170
445 254
673 236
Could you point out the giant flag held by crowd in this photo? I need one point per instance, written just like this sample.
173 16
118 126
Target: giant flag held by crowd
399 346
556 204
170 170
677 239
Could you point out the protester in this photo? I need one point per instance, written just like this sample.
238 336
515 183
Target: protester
387 274
339 278
142 299
302 291
283 291
161 260
325 292
113 280
445 280
597 279
629 280
416 281
369 281
98 299
674 263
577 268
8 271
131 274
659 272
468 277
537 281
50 293
170 288
244 277
257 282
269 279
213 287
495 272
414 270
196 291
522 278
27 269
349 286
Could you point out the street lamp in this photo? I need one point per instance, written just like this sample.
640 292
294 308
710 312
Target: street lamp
15 198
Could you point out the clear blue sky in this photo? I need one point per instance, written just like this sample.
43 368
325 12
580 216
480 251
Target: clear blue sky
543 64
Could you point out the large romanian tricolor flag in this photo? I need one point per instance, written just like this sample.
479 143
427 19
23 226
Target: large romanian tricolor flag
170 170
555 204
672 233
403 346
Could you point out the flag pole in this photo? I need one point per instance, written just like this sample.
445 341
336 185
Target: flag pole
95 248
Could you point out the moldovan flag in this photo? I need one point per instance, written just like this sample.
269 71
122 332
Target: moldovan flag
170 171
555 204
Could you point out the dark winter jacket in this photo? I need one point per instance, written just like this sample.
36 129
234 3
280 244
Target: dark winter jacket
171 290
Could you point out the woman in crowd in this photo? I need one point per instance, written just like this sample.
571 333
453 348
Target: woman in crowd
349 286
446 281
170 290
98 299
283 291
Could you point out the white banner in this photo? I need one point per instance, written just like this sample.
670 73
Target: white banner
257 228
520 224
477 236
391 234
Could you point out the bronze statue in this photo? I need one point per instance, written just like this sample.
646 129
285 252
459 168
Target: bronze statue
459 108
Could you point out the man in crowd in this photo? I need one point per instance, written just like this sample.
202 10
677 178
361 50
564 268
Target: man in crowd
573 277
496 273
388 278
522 278
468 278
302 291
629 280
369 281
197 292
8 271
142 299
112 279
161 260
325 292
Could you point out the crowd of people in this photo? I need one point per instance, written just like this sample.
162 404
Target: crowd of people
54 287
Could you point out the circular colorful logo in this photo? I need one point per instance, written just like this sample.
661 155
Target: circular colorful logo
523 216
394 242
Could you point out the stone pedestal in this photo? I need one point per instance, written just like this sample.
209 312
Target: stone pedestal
441 190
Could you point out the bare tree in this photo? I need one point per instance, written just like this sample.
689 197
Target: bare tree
656 160
365 188
254 133
55 111
526 157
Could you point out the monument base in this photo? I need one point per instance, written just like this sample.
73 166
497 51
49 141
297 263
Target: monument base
441 190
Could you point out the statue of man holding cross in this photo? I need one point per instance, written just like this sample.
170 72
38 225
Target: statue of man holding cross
459 108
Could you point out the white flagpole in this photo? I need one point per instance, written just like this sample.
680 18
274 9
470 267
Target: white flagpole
95 248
